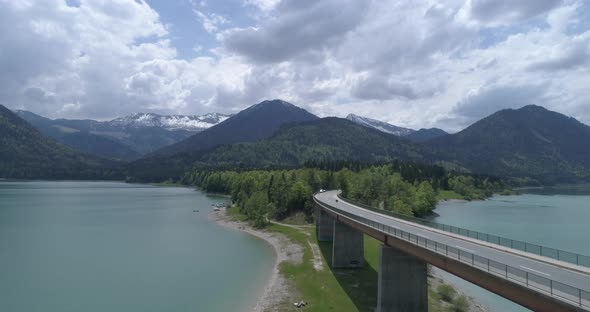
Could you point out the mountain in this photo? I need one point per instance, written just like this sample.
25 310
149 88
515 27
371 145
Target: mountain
97 145
527 142
77 136
379 125
257 122
424 135
26 153
291 146
124 138
328 138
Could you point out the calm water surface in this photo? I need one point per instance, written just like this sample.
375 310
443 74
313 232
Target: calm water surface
555 217
108 246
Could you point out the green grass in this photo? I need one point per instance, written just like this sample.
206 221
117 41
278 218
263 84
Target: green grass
298 218
446 195
234 213
335 289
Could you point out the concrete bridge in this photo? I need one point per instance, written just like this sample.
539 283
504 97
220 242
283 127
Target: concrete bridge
537 282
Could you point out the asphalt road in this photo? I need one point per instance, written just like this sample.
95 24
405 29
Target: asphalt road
535 265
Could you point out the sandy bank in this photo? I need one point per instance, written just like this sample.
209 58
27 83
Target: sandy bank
278 291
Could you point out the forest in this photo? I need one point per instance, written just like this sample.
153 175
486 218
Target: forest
407 188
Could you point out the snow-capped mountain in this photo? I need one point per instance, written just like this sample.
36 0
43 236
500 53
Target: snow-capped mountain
170 122
379 125
141 133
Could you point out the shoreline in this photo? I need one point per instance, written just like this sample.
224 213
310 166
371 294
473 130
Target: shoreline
278 290
438 278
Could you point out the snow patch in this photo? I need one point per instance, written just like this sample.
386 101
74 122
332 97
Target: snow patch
379 125
171 122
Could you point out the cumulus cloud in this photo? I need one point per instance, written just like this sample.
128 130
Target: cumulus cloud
570 57
491 98
298 28
415 63
99 60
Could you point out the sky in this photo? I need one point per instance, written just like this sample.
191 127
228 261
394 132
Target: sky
414 63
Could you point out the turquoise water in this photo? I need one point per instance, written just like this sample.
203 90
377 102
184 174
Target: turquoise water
108 246
553 217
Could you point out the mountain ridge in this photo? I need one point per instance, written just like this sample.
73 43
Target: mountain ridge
171 122
380 125
527 142
253 123
124 138
424 135
26 153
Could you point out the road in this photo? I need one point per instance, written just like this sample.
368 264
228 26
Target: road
565 273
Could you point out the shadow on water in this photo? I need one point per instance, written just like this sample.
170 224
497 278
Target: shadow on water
359 284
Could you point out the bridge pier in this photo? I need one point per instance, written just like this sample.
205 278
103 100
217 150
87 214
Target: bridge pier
403 284
348 246
325 225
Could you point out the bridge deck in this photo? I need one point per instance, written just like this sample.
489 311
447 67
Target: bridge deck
548 276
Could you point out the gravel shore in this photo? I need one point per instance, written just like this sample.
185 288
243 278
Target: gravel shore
278 292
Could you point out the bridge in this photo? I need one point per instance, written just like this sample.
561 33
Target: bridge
536 277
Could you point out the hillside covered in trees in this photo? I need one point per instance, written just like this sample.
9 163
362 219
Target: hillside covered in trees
529 143
26 153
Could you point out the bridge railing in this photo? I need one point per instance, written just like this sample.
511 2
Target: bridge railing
544 251
566 293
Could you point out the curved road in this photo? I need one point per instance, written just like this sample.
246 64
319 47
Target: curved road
562 272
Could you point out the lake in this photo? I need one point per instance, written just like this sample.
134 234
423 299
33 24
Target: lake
554 217
110 246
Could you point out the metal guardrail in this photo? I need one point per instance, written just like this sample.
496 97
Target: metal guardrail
539 250
573 295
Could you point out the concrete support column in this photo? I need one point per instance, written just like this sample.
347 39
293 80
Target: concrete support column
325 225
348 247
403 284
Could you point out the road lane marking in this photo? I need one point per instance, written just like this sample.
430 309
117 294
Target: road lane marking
529 269
462 248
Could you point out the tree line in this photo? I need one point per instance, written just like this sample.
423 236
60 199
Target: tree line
405 188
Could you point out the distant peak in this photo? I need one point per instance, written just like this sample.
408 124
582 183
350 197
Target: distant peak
532 107
275 102
273 105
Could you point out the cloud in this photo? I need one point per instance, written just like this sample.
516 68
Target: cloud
299 28
263 5
491 98
509 11
415 63
382 88
211 22
568 57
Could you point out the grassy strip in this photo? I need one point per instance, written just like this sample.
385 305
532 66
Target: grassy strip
337 289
